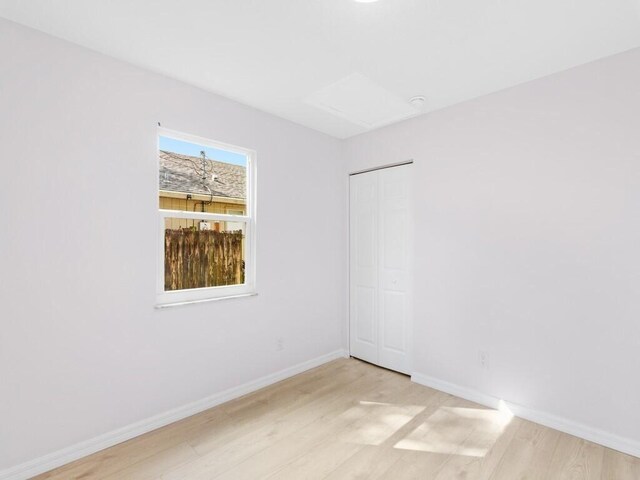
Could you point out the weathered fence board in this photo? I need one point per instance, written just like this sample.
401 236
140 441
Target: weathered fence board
202 258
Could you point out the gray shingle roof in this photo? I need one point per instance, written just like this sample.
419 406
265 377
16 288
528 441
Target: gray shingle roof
182 173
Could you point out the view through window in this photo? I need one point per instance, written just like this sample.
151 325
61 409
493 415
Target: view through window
206 218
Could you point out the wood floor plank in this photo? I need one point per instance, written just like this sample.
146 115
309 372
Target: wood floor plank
368 463
348 420
479 467
529 454
618 466
317 463
576 459
155 465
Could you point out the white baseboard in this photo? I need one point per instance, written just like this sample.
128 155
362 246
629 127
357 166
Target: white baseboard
607 439
74 452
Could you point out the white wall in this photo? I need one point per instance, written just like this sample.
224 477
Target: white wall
528 241
82 349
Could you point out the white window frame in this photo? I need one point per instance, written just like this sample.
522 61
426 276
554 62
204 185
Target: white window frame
195 295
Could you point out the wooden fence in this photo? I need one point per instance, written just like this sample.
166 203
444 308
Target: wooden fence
202 258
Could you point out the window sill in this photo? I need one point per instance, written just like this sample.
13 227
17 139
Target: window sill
205 300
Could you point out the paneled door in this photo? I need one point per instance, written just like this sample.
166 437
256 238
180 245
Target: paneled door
380 230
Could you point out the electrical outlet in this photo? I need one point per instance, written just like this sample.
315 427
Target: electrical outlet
483 358
279 344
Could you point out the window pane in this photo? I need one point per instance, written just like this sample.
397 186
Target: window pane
200 254
197 178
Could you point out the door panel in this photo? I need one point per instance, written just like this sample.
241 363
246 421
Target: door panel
394 202
394 314
365 308
394 224
380 270
363 268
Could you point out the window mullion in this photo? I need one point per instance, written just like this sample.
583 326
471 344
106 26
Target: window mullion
203 216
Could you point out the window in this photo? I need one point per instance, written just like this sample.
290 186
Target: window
206 219
234 225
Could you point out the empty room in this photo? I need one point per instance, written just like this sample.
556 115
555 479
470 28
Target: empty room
320 240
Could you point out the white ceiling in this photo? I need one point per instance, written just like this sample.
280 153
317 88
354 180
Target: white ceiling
281 56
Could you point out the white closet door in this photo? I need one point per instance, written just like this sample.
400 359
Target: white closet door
380 284
364 267
394 269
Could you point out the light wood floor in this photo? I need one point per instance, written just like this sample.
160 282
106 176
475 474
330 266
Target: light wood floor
351 420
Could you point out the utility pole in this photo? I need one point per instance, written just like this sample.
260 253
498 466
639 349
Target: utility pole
204 174
204 167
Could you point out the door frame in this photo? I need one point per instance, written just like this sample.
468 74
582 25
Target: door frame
410 161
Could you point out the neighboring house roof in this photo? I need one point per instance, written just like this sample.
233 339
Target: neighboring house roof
182 173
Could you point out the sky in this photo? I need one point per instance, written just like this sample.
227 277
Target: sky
187 148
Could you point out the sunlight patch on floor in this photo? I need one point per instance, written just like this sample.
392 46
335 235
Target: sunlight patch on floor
460 431
375 422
